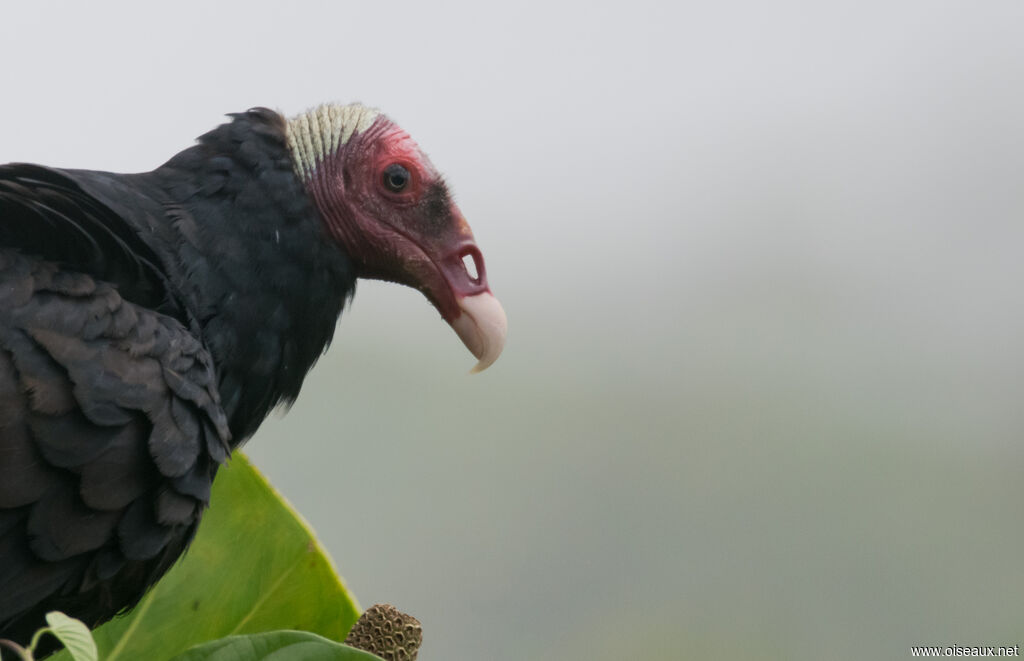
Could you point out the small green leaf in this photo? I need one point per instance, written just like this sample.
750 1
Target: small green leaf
275 646
254 566
73 634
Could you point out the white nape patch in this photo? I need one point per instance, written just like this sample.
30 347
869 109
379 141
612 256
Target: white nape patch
318 133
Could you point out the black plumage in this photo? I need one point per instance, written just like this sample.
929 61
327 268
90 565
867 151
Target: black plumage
148 323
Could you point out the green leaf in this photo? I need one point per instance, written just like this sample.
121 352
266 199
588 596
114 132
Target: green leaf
276 646
254 566
73 634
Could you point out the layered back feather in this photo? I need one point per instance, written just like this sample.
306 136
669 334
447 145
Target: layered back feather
148 323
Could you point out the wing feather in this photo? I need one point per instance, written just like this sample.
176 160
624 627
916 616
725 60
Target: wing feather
110 436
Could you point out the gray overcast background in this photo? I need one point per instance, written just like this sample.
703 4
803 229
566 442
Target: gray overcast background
762 396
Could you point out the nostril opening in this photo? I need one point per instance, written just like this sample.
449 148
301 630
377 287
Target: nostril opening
469 263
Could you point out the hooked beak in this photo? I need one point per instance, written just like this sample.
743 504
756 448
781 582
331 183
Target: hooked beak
482 327
477 317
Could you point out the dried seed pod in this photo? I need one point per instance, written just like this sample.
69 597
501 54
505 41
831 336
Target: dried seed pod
387 632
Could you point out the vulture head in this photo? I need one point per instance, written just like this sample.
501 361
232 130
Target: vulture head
386 204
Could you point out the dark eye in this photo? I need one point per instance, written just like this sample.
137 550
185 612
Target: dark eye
396 178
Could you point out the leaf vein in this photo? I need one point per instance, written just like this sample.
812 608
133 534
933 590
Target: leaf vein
263 598
143 606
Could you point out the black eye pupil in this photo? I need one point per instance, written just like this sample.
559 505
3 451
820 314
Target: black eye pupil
396 177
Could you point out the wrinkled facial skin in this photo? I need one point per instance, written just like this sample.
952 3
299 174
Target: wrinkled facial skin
411 233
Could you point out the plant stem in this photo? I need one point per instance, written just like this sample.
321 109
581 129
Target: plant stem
35 638
25 654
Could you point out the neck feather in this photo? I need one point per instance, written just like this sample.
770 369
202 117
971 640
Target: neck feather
315 135
254 261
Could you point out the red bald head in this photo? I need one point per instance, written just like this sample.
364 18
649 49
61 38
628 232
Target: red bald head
387 205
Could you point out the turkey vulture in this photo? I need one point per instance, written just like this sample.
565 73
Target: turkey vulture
149 322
